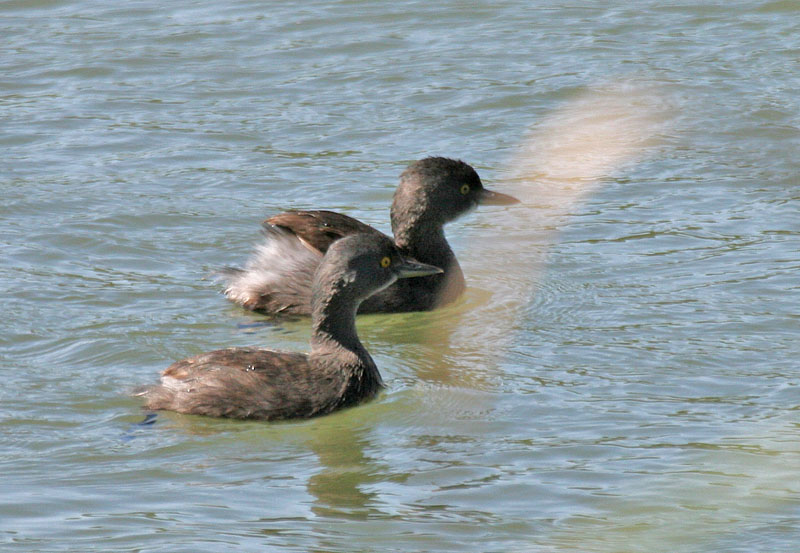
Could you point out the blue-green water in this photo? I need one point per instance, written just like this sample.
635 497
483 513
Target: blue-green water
632 385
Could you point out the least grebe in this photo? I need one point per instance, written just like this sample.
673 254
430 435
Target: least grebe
259 383
432 192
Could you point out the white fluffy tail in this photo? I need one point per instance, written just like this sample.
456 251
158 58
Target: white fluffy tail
278 276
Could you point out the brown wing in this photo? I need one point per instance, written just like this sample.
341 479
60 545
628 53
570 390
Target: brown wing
242 383
234 359
319 229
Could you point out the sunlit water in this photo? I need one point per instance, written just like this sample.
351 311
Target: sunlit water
622 375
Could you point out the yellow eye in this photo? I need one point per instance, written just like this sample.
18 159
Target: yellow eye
465 189
386 261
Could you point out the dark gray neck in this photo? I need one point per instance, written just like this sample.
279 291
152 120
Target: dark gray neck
336 349
333 323
425 242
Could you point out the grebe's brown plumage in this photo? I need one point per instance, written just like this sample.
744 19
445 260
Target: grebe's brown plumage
260 383
431 193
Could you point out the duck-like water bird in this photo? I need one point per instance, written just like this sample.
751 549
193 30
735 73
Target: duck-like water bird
432 192
260 383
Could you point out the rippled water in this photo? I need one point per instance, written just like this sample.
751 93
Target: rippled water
622 374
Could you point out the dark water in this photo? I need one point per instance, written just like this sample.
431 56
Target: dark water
623 378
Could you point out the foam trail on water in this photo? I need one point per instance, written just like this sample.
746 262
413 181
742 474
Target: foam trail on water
560 162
